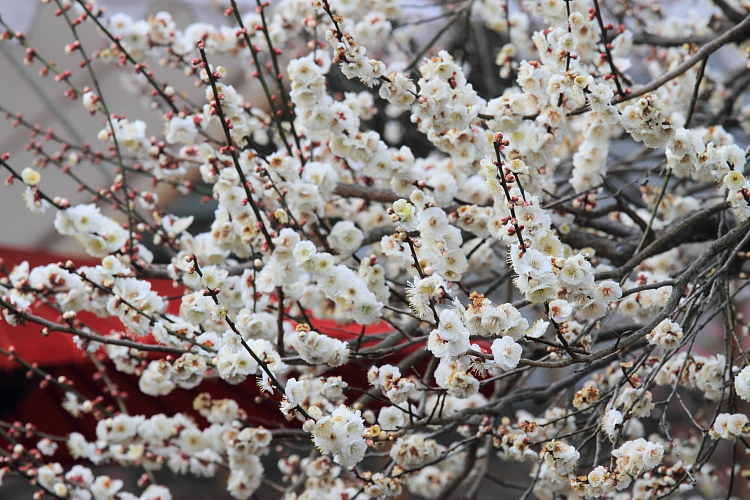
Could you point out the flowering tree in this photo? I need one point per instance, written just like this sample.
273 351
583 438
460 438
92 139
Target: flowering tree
429 249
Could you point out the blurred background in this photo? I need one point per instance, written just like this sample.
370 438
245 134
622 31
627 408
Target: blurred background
42 102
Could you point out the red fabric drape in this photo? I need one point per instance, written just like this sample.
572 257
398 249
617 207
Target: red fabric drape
58 355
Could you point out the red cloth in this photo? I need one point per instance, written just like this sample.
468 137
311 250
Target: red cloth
58 355
56 350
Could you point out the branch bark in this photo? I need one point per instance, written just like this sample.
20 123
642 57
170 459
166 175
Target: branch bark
734 34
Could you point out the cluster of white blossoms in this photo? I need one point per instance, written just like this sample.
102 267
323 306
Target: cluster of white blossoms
351 56
451 338
80 482
340 434
445 109
484 319
590 161
635 457
393 386
134 303
702 373
234 362
99 234
730 426
742 383
319 349
560 459
415 451
738 193
178 443
514 444
632 459
643 305
712 154
455 376
402 250
667 335
645 122
312 394
245 123
130 135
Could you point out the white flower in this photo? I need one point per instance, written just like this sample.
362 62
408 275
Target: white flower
597 476
47 474
120 428
345 237
507 352
232 342
19 303
181 130
105 488
517 166
46 447
155 379
433 222
218 312
295 391
568 42
176 225
90 101
537 329
78 447
243 482
653 454
600 95
451 338
730 426
561 457
407 214
340 435
391 418
156 492
734 180
560 310
30 176
666 335
384 376
212 277
113 266
80 475
742 383
320 349
637 456
610 421
444 187
303 251
607 291
415 450
34 202
78 219
533 263
192 441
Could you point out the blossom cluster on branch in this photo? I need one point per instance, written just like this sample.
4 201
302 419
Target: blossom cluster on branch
443 237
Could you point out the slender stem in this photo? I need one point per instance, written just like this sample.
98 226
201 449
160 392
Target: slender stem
105 110
607 51
231 148
731 35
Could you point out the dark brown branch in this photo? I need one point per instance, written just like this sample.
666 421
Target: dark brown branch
735 34
728 10
644 38
95 337
366 193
